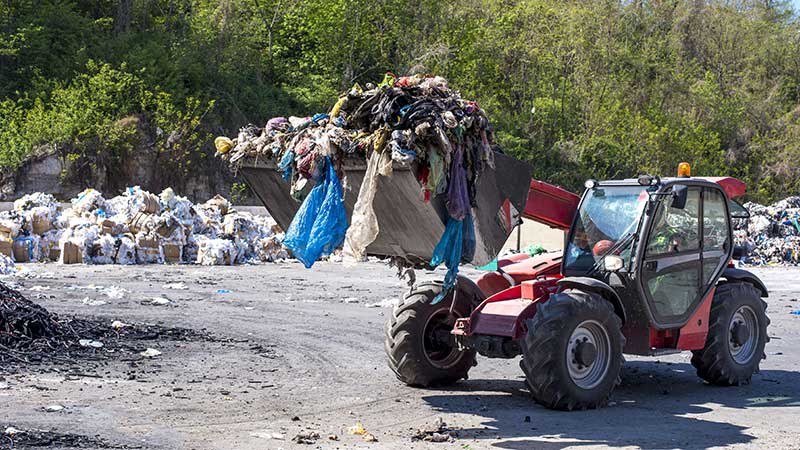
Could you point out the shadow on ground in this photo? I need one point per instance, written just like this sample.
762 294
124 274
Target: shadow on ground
656 406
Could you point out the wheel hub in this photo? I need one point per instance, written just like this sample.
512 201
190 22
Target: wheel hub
588 354
438 342
743 334
585 353
740 334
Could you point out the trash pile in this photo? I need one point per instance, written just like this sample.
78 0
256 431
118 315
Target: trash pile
136 227
416 121
31 334
771 235
21 320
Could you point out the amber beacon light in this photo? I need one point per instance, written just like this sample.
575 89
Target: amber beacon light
684 170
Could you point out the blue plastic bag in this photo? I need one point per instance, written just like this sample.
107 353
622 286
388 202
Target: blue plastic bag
459 235
320 224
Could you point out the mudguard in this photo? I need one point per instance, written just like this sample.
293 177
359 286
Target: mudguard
598 287
733 274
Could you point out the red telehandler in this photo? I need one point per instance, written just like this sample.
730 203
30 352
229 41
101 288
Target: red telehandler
646 270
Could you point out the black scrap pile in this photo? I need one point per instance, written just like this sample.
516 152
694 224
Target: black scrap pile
11 437
29 334
22 321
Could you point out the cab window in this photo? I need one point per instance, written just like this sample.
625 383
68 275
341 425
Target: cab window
676 230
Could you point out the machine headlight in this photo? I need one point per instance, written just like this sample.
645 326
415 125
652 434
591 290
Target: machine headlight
613 263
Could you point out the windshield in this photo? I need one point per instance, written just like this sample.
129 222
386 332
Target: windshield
607 215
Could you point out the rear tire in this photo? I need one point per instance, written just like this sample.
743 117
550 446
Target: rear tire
731 355
418 342
557 378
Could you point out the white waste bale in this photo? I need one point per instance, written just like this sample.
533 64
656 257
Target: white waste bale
215 252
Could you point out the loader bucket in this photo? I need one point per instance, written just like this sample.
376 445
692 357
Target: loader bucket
409 227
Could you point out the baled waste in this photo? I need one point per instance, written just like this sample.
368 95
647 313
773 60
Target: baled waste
415 121
136 227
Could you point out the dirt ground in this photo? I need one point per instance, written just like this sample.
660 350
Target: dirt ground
302 350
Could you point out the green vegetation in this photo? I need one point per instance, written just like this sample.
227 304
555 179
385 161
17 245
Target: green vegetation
581 89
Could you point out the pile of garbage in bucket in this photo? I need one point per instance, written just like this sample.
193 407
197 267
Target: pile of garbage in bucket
137 227
416 121
772 233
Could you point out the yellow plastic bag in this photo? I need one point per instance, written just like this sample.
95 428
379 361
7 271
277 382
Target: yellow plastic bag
223 144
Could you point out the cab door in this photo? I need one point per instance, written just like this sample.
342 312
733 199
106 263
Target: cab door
671 271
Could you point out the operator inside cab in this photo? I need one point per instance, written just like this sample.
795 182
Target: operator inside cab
607 215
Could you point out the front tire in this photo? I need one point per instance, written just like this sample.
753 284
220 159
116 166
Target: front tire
572 353
421 350
737 334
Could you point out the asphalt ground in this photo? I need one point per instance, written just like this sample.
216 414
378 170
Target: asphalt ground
295 350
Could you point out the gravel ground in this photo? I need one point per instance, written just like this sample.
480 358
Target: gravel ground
301 350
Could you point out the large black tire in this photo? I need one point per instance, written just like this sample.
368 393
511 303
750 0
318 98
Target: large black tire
552 334
415 356
723 361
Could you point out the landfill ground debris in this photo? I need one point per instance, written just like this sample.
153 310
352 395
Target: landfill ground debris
357 429
323 369
385 303
180 286
150 353
306 437
268 435
438 432
29 334
136 227
17 437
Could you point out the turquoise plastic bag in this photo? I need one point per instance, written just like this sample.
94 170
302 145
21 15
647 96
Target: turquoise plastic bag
458 236
320 224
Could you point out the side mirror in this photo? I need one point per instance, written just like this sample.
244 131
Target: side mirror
679 195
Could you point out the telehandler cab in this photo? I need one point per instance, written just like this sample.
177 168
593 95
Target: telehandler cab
646 270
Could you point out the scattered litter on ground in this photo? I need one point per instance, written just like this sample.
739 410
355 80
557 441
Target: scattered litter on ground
268 435
385 303
795 312
115 292
7 266
179 286
92 302
117 325
90 343
223 291
357 429
333 437
438 432
350 300
158 301
150 353
54 408
306 437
